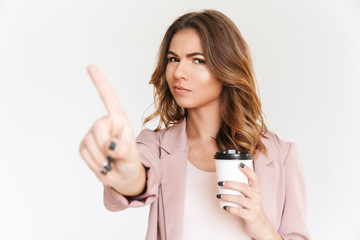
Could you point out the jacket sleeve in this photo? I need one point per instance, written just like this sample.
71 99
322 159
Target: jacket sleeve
293 222
148 147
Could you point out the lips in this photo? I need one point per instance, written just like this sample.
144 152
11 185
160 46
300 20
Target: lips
181 90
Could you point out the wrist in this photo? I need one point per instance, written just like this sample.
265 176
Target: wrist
270 233
273 235
133 184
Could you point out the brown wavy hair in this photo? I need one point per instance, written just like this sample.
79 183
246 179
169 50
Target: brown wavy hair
229 60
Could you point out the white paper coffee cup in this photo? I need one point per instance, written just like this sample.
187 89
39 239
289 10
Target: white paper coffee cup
227 169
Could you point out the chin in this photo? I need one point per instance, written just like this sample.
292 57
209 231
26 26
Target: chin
184 104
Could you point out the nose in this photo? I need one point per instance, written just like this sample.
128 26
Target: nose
181 71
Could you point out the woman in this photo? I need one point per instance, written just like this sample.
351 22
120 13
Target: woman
205 96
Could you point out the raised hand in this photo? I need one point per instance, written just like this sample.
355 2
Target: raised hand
109 147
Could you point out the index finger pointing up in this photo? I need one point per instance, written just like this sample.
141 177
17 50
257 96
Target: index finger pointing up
103 87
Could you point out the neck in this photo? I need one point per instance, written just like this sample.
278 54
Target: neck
203 123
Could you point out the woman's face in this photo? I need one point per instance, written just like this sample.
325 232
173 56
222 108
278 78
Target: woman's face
187 73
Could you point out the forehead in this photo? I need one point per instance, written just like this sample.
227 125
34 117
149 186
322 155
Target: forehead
186 41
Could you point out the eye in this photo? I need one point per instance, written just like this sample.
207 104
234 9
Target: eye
199 61
172 59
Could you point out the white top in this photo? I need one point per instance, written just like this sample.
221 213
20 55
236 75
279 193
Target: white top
203 217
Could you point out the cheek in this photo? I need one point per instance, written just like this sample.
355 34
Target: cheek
204 75
218 85
208 81
167 76
169 81
216 88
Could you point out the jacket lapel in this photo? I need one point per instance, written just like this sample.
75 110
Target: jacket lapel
174 155
267 171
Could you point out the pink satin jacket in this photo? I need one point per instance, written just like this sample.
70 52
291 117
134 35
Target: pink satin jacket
165 156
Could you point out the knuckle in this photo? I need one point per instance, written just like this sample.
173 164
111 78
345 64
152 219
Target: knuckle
84 154
237 211
97 122
81 151
241 212
88 139
96 127
240 199
100 123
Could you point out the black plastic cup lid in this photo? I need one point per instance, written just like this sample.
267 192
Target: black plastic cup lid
231 154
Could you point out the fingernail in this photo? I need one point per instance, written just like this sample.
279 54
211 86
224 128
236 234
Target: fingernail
225 207
221 183
112 145
110 159
107 166
219 196
242 165
103 171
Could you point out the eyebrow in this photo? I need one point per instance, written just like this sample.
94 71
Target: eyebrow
187 55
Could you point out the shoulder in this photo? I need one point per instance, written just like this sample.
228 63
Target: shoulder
170 138
277 148
273 141
150 137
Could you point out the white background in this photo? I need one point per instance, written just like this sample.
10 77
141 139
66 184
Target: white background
306 55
